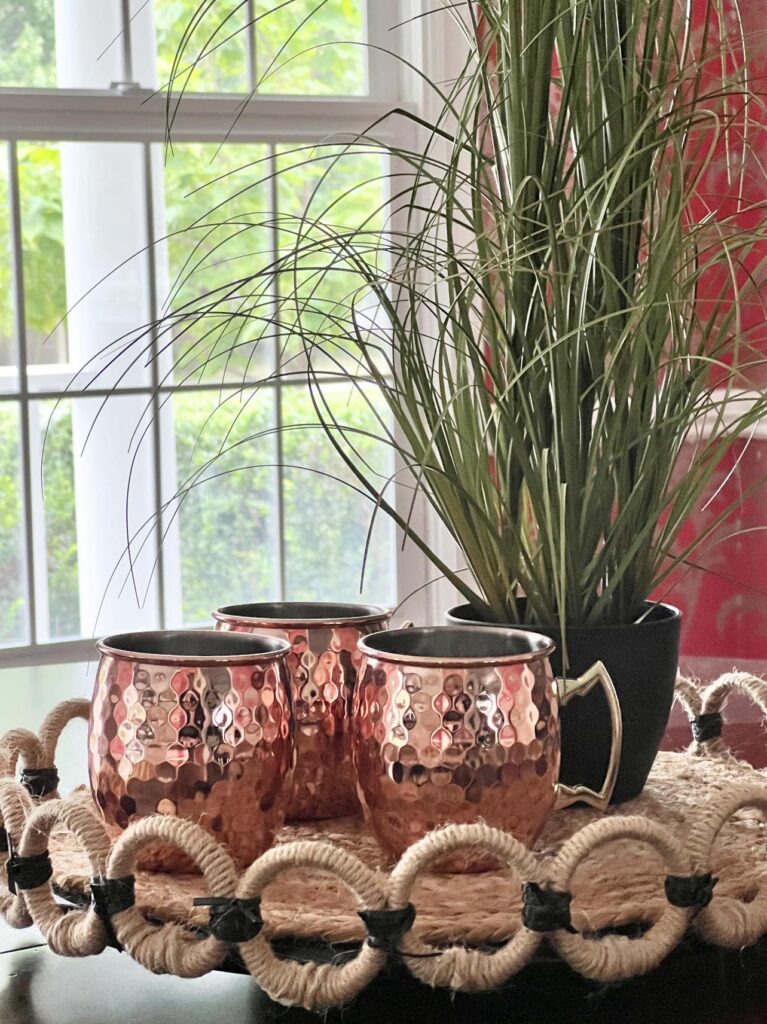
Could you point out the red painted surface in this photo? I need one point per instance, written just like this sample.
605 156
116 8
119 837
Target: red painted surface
724 595
725 598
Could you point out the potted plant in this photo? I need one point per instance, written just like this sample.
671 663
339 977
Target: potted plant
530 317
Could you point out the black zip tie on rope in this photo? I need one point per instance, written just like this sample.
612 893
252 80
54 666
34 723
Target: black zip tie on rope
232 919
386 927
110 896
706 727
40 781
545 910
28 872
4 847
690 890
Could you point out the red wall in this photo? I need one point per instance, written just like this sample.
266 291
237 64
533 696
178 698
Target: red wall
725 601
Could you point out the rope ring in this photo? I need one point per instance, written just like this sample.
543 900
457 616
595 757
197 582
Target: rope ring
458 967
54 724
311 985
728 921
19 743
15 808
171 948
616 957
78 932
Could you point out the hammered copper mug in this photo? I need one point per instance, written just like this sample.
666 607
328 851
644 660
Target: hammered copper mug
456 724
195 724
323 664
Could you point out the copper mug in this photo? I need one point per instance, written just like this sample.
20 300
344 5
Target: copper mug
323 664
454 724
195 724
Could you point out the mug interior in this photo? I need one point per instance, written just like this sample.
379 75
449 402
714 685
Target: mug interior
192 644
458 644
301 612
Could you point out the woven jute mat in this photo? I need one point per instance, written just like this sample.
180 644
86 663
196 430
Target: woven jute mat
619 885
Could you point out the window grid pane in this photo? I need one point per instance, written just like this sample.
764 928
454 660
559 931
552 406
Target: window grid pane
232 512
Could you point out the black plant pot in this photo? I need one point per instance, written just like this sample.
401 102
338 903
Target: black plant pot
642 659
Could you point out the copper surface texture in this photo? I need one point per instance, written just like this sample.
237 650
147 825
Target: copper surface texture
211 743
323 663
437 743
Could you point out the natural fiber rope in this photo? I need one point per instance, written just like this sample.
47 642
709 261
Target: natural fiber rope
312 985
175 949
20 743
77 933
15 808
458 967
713 699
616 957
168 948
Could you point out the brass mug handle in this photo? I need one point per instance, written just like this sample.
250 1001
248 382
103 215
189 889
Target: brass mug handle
569 688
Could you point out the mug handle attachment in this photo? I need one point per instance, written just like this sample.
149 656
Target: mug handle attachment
566 690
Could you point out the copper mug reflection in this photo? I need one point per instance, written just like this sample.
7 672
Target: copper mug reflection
323 664
195 724
454 724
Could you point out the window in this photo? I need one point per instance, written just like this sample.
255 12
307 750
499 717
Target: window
92 207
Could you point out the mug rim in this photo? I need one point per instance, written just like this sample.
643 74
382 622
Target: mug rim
366 613
469 661
114 646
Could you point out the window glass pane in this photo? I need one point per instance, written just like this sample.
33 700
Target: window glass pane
8 371
215 47
228 519
97 495
42 241
12 603
322 192
327 522
220 235
58 542
311 47
27 43
72 44
86 282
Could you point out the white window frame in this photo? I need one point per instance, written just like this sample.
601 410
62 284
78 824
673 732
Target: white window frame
126 113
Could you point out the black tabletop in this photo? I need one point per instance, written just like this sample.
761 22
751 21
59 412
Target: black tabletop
695 984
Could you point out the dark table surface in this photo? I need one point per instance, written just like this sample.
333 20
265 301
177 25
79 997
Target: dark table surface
696 983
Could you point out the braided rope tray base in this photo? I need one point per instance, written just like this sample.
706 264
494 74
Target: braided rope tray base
702 819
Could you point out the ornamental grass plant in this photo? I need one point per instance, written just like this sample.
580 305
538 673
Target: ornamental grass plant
528 302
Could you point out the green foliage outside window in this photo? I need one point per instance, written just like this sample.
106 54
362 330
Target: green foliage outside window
11 571
27 44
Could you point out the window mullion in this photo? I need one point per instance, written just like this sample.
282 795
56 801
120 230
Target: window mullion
156 397
278 453
14 199
127 43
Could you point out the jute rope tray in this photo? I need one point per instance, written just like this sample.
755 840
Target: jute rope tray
612 894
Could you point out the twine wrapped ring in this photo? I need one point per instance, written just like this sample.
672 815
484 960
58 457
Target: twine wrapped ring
727 921
171 948
615 957
77 932
457 967
312 985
